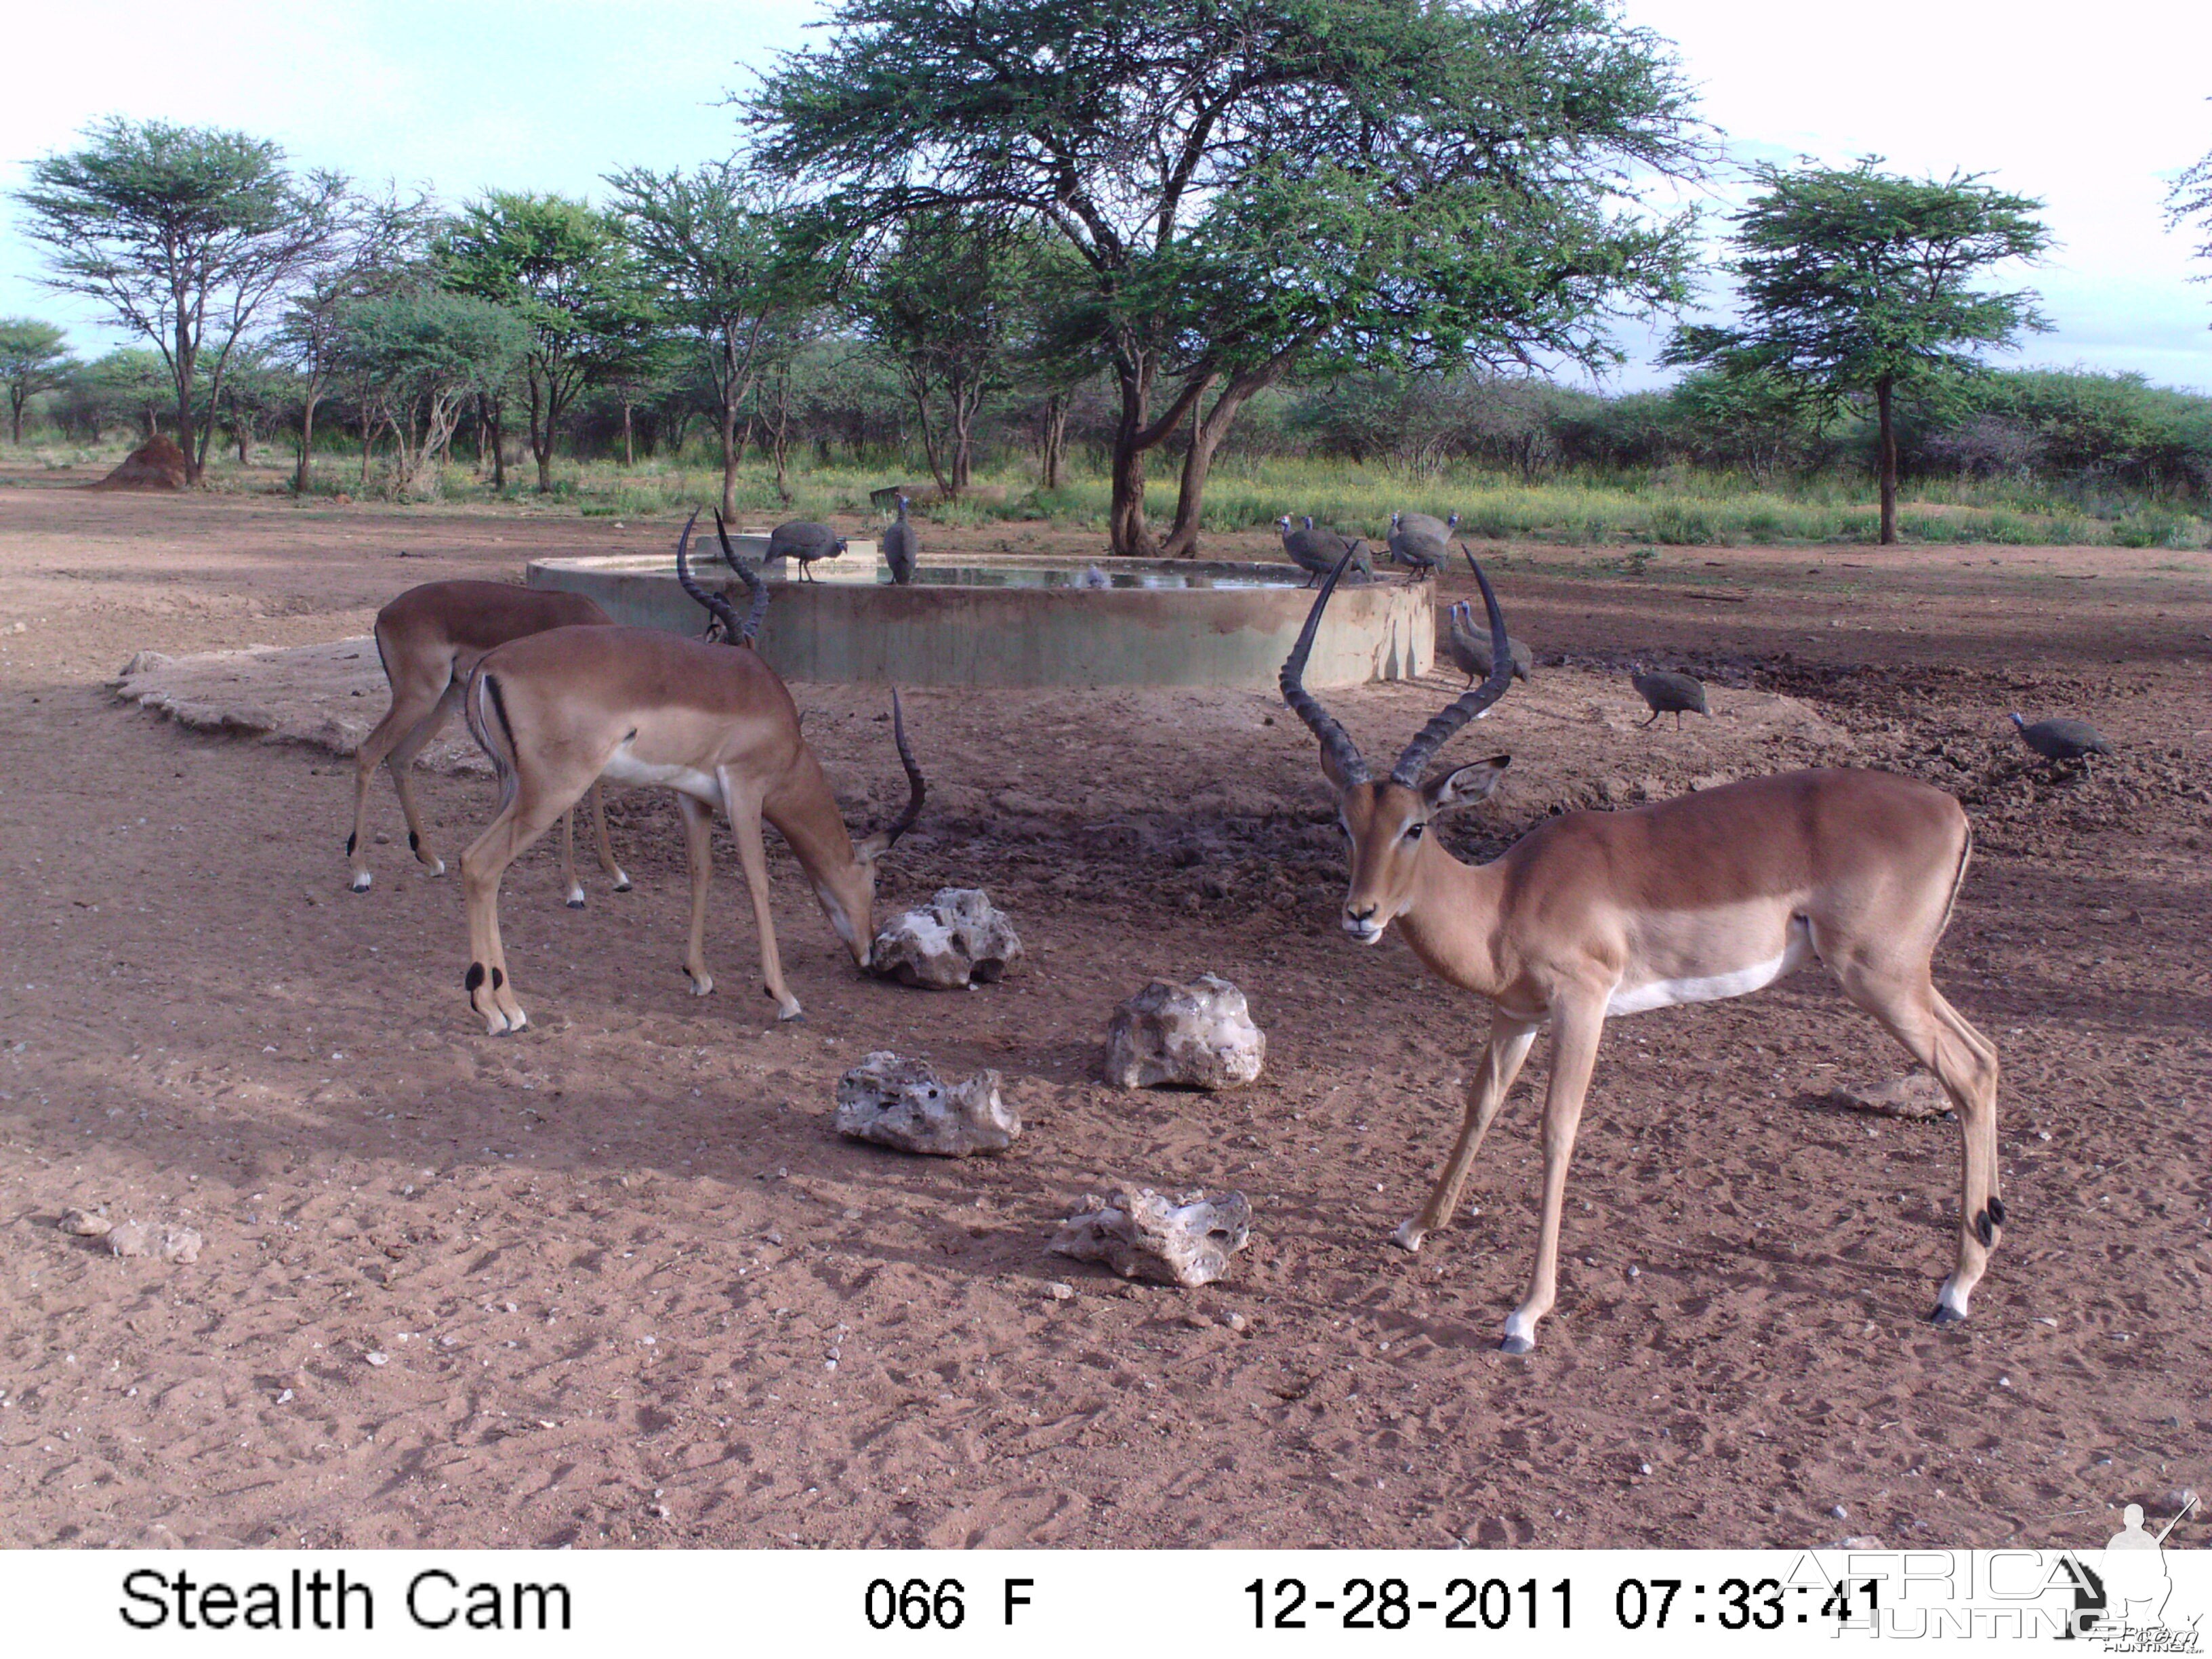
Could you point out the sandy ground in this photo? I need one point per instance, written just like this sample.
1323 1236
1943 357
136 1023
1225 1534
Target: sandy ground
623 1285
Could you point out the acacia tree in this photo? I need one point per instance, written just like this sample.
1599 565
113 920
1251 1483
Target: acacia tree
1856 282
2191 197
1255 183
177 231
563 267
376 247
714 248
34 357
942 301
423 358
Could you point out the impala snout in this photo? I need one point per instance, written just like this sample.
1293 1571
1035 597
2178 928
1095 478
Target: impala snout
1363 923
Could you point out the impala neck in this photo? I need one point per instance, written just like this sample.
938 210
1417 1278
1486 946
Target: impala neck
805 813
1450 919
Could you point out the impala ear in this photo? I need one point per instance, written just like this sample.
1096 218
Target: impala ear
869 848
1464 786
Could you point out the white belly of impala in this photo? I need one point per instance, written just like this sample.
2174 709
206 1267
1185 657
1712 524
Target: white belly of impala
1714 987
625 767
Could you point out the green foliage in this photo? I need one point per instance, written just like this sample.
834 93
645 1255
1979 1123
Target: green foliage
564 269
176 230
423 355
34 357
1854 279
1363 181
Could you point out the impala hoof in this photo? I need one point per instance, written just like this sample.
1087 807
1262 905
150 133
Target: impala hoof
621 884
575 901
1408 1237
1517 1345
362 882
437 868
1946 1316
791 1015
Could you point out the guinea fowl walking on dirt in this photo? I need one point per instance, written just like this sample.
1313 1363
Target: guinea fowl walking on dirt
1316 551
2063 740
902 547
1416 547
1667 693
1469 648
806 541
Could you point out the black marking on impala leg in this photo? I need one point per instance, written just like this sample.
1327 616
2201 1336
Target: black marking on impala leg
1997 1211
349 840
473 978
498 979
1982 1229
414 841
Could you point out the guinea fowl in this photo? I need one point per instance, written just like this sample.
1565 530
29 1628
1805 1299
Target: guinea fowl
806 541
1414 546
1427 525
902 547
2063 740
1316 551
1667 693
1469 649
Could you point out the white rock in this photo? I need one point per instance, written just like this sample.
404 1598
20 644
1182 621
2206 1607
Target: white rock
131 1238
904 1104
1199 1035
1141 1235
180 1244
85 1223
960 938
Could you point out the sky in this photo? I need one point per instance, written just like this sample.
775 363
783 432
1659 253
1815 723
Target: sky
2092 109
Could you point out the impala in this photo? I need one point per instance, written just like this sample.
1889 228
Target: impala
430 640
1594 915
558 711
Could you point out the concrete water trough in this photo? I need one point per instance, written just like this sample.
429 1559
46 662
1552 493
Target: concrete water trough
1033 621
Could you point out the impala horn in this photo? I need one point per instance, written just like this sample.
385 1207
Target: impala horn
1433 736
917 790
714 604
1341 756
754 584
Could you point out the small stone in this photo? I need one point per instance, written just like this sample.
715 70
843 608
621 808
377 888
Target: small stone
1193 1035
1237 1322
1058 1289
960 940
2176 1500
376 1357
1645 1467
86 1224
1840 1513
904 1104
1916 1095
1859 1540
131 1238
180 1244
1141 1235
2045 1319
849 1214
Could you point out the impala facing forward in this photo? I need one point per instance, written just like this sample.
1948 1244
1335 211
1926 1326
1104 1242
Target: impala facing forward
558 711
1713 894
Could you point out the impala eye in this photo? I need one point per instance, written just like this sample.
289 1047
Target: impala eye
1413 831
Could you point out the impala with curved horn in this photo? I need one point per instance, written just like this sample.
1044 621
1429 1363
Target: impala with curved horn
1594 915
558 711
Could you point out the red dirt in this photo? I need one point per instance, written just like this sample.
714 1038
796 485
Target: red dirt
609 1263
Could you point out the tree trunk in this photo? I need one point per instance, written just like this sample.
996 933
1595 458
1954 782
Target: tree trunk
729 436
1052 440
307 434
1207 433
541 432
16 414
965 400
1888 463
245 434
496 418
1125 534
629 447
